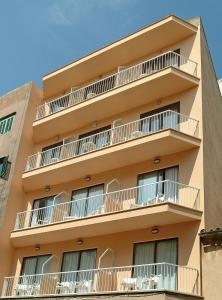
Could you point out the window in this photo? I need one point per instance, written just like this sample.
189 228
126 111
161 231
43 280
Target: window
153 120
87 201
42 210
51 153
4 167
93 140
157 186
6 123
72 263
32 266
153 255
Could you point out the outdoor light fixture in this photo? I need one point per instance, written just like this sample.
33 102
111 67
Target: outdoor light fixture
156 160
79 242
87 178
94 125
47 188
37 247
155 230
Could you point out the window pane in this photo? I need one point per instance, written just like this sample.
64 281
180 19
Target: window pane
147 187
95 203
144 255
6 124
42 212
167 252
78 205
87 262
171 187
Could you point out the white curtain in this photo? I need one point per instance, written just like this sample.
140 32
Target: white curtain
77 261
166 252
94 204
70 263
33 266
42 211
82 203
147 187
78 205
155 253
171 187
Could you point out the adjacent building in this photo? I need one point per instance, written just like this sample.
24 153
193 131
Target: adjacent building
120 172
17 110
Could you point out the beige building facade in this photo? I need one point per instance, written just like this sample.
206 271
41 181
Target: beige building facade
120 172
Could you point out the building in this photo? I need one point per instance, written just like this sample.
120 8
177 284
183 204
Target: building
123 172
211 258
16 116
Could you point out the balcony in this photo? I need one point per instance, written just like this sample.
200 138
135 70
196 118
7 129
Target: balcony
165 133
165 202
124 279
173 72
150 39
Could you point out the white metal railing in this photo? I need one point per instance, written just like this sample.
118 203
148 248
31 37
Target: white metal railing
131 198
160 276
126 75
116 135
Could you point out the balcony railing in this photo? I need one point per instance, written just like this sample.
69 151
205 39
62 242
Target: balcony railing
140 278
125 76
137 197
117 135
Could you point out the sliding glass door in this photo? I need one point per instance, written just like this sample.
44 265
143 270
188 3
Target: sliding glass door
51 154
87 201
42 210
94 140
154 254
33 266
75 266
158 185
156 120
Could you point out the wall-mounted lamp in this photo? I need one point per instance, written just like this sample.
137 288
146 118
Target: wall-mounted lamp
37 247
155 230
79 242
47 188
94 125
87 178
156 160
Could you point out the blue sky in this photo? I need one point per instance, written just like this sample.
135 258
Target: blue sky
38 36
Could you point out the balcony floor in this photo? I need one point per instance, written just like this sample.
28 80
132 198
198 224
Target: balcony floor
131 295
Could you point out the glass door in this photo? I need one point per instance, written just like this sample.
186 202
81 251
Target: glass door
42 210
156 186
87 201
94 140
166 251
52 154
156 120
33 266
156 264
147 187
77 270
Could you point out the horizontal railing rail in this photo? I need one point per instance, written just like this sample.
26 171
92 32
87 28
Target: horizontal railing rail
149 277
137 197
165 120
126 75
